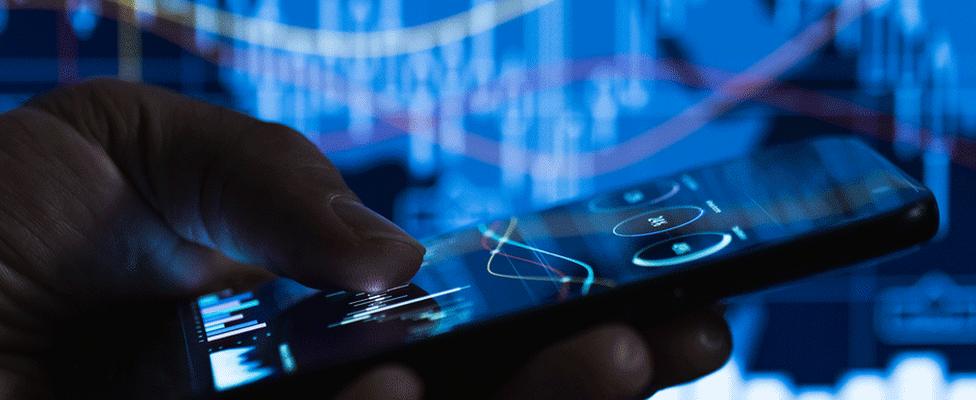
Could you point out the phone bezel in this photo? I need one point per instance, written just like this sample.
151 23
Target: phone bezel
509 340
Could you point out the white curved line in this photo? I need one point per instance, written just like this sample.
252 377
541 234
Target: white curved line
310 41
701 212
587 282
675 187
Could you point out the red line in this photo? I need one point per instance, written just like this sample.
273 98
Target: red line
734 90
486 246
565 285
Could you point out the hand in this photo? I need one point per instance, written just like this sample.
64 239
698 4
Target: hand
116 199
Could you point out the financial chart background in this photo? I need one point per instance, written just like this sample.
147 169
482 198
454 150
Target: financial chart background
446 112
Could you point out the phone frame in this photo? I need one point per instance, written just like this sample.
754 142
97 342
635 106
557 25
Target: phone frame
508 341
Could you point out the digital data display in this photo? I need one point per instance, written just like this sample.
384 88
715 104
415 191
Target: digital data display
513 264
442 113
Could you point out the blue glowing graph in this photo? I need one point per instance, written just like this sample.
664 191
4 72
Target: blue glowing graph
231 367
921 376
934 310
357 76
225 317
366 307
498 107
552 274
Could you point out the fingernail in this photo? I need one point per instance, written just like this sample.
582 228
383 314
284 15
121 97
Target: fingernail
630 353
711 340
370 225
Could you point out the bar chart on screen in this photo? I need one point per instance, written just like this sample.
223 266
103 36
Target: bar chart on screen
226 316
490 108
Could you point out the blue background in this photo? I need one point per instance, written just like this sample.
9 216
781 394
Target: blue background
558 99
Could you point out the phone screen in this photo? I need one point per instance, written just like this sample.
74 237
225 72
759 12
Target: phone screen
513 264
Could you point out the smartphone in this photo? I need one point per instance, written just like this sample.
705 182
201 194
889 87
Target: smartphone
490 295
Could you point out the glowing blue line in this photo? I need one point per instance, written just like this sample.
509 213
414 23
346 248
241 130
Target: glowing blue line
586 282
230 308
411 301
287 360
349 321
208 318
237 332
239 297
231 328
222 321
715 248
208 300
657 231
312 41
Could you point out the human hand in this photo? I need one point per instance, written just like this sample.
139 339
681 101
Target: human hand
116 196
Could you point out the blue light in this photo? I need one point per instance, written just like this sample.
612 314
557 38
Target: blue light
858 385
934 310
208 300
918 377
84 18
217 331
768 387
911 376
287 360
3 15
496 107
213 317
505 239
962 388
231 368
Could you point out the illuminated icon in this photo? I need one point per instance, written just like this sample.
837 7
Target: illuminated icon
633 196
647 194
680 248
657 221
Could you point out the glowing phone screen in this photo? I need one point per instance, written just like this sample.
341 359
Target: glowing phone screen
513 264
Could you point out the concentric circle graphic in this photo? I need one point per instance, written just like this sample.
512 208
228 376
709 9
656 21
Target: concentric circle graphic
682 249
658 221
644 195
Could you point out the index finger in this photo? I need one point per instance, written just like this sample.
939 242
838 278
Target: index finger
258 192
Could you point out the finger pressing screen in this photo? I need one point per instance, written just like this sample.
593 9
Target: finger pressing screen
621 362
608 362
259 193
688 347
385 383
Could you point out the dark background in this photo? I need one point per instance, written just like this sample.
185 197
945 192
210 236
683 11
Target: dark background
560 99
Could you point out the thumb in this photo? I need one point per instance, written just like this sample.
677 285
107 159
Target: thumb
259 193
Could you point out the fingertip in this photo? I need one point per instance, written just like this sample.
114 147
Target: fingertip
380 254
377 265
623 360
370 266
403 263
386 382
707 344
370 225
689 347
608 362
714 339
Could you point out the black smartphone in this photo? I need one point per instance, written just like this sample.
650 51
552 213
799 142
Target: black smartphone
490 295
